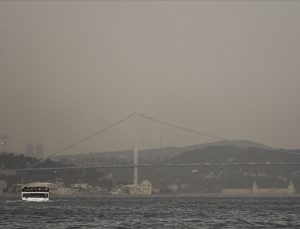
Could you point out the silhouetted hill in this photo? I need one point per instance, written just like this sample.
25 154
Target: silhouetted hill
151 155
10 163
19 161
234 154
237 143
203 179
213 179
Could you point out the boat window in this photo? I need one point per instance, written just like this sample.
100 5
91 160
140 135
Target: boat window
35 189
35 195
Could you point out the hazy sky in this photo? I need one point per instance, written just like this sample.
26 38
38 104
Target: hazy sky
228 68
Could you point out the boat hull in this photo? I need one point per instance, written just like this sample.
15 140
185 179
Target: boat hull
35 199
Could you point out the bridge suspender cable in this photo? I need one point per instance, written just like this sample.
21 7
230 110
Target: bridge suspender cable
120 121
199 133
181 128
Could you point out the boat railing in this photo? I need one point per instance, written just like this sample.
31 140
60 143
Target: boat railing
35 189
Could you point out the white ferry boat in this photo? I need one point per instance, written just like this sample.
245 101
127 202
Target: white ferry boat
35 194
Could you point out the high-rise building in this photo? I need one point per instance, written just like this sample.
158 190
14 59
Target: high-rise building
36 151
29 150
39 151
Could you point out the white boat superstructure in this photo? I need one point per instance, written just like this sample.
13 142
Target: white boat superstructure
35 194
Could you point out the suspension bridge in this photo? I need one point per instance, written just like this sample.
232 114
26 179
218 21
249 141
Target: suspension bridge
166 134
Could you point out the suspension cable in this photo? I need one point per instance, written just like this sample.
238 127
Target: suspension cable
84 139
182 128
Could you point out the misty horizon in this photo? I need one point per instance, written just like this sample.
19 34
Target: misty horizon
70 68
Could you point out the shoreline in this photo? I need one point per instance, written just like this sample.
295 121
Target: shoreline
178 195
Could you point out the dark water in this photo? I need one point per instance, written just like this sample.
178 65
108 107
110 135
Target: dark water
158 212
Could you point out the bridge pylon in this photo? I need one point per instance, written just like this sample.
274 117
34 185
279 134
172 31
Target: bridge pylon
135 150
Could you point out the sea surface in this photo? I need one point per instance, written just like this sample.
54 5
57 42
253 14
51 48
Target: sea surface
151 212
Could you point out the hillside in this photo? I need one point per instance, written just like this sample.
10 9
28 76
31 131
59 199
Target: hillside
213 179
10 163
19 161
235 154
204 179
188 179
149 155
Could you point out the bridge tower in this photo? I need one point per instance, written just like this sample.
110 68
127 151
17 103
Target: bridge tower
135 151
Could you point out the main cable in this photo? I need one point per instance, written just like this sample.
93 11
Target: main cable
84 139
181 128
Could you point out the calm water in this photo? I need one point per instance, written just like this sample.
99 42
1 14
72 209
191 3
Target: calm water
158 212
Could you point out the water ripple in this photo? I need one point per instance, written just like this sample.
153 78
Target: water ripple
153 212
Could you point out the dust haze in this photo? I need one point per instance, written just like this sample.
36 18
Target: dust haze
228 68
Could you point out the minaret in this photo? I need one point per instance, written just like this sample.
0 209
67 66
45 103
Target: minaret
291 188
254 187
4 143
135 151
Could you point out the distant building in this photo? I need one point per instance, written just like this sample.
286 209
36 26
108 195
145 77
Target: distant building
59 182
155 190
116 192
83 186
3 186
7 172
173 187
289 190
39 151
29 150
145 188
255 190
237 191
36 151
66 191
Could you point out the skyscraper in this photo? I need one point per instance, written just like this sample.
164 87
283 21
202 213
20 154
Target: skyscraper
39 151
29 150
